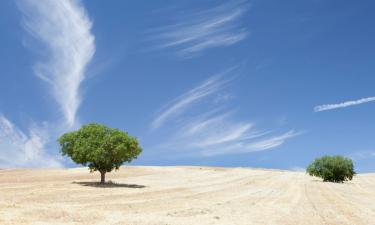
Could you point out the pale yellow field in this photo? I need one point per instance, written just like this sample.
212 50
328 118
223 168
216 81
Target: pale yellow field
183 195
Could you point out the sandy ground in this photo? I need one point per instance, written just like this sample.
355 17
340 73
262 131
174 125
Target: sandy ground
183 195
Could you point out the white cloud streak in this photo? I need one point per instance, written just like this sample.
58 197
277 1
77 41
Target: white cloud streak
343 104
361 155
178 105
19 149
215 132
251 143
271 142
65 30
217 27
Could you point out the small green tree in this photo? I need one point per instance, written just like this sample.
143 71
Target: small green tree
99 147
332 168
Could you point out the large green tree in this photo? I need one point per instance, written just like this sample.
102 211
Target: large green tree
99 147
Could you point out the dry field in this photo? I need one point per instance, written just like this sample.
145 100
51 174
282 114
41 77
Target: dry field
183 195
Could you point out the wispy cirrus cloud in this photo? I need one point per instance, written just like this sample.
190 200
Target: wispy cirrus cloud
19 149
325 107
178 105
361 155
215 131
64 31
64 28
222 134
205 29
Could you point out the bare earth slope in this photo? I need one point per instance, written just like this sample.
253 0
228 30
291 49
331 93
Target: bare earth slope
183 195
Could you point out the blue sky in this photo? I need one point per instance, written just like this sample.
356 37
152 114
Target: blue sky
260 83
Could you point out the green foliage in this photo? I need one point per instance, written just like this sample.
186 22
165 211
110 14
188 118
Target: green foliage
332 168
99 147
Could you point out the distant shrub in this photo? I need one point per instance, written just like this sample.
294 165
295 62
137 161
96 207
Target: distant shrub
332 168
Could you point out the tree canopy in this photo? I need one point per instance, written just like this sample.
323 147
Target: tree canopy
332 168
99 147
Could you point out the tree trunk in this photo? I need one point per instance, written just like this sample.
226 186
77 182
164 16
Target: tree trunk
102 177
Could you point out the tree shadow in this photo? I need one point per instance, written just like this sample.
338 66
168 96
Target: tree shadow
331 182
108 184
